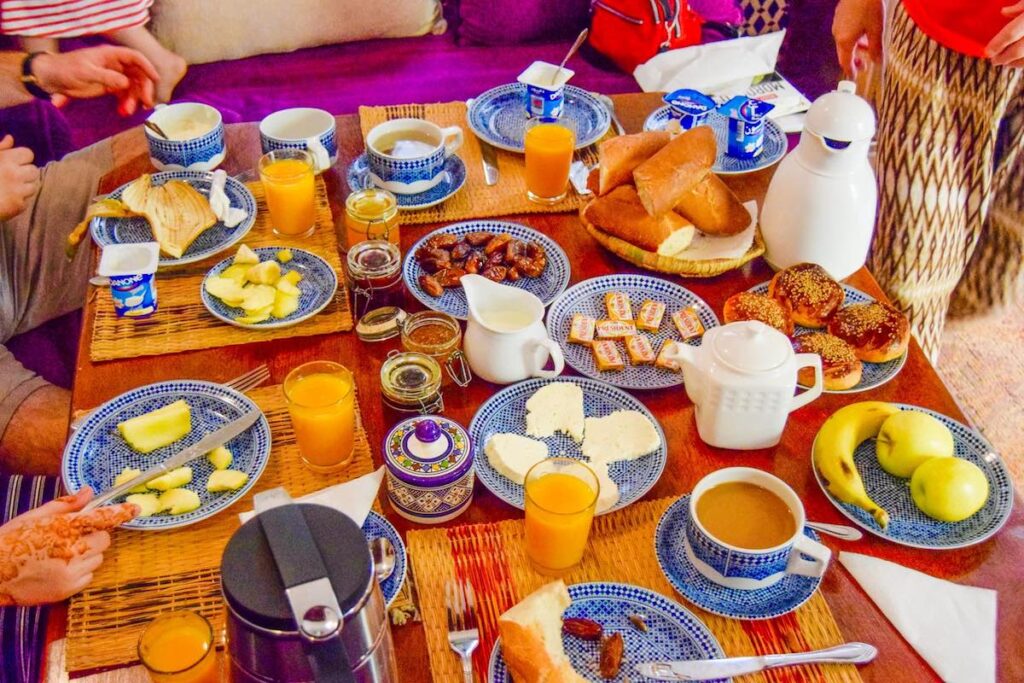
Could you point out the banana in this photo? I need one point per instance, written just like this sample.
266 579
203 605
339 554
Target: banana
837 439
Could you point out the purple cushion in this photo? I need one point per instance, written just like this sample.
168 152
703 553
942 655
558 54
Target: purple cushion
512 22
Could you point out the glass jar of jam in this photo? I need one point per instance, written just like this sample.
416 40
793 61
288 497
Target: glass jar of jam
371 214
439 336
411 383
374 270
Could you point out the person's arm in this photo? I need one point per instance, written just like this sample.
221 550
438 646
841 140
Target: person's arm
1007 46
854 20
33 420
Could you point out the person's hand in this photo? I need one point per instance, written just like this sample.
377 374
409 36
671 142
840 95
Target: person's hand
853 21
1007 47
50 553
18 178
96 71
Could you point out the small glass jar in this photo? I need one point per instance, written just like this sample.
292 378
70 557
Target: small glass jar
371 214
411 383
439 336
374 270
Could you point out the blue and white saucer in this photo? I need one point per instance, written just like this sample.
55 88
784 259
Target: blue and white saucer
907 524
775 142
673 632
498 116
733 603
453 180
376 526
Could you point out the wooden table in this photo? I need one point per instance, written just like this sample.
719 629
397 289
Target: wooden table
993 564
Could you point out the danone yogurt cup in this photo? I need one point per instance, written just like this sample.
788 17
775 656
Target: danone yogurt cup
746 126
689 107
545 89
131 269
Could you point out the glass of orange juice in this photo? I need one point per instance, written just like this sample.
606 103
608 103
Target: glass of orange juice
177 647
561 495
289 180
322 405
549 147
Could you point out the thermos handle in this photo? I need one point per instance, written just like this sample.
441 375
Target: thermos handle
291 543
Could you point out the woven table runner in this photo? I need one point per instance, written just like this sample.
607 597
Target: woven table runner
476 199
182 323
621 549
146 573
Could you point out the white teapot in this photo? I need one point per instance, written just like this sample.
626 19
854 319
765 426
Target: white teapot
741 380
505 338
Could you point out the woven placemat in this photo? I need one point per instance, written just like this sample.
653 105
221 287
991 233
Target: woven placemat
182 323
493 559
148 572
476 199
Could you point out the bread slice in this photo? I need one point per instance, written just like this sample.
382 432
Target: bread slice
662 180
531 637
713 208
620 213
176 212
556 407
621 155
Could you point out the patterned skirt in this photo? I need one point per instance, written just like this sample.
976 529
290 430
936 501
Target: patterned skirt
70 18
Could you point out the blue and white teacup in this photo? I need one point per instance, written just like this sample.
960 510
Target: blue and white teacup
196 133
743 568
302 128
420 165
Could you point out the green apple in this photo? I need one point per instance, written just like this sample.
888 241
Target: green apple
949 489
908 438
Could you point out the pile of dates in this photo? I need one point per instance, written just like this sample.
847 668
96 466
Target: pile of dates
445 258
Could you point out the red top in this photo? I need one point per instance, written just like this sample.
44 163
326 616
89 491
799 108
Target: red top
960 25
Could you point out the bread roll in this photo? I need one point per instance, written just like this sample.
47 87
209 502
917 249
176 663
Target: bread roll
621 154
620 213
713 208
840 367
662 180
531 637
761 307
810 292
877 332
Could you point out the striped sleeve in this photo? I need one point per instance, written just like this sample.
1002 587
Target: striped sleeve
70 18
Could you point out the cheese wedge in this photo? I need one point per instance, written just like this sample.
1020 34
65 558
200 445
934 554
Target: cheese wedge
556 407
512 455
622 435
608 493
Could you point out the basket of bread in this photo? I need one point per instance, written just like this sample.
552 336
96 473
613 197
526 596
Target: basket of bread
659 206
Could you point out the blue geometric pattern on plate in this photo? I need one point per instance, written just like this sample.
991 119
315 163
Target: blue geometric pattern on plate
505 413
673 632
775 142
454 177
549 285
498 116
212 241
764 603
316 289
873 375
587 297
184 153
96 453
911 527
376 526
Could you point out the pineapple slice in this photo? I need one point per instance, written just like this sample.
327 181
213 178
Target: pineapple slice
285 305
245 256
172 480
236 273
157 428
128 474
149 503
226 480
227 290
220 457
179 501
292 276
266 273
286 286
284 255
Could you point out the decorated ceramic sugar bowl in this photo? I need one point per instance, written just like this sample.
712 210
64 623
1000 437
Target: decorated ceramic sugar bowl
430 469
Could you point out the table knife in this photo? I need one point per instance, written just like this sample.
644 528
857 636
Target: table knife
490 159
708 669
218 437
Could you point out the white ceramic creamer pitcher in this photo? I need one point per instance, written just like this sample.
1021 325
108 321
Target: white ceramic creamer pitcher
741 380
505 338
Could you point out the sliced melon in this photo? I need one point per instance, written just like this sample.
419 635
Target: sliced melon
245 255
149 503
292 276
256 316
266 273
157 428
220 457
257 297
226 480
285 305
284 255
179 501
227 290
236 273
172 480
287 287
127 474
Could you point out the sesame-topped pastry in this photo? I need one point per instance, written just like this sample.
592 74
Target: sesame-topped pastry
751 306
877 332
809 291
839 364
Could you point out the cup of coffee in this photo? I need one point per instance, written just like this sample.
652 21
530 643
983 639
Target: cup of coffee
195 137
407 156
302 128
746 530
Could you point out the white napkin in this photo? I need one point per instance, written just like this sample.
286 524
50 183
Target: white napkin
952 627
707 247
353 498
221 205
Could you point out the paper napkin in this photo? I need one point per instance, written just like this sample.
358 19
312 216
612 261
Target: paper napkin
221 205
952 627
353 498
705 247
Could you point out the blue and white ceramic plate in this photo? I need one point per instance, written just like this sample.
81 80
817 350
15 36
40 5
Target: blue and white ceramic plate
505 413
376 526
873 375
316 289
775 142
764 603
549 285
587 297
673 632
212 241
96 453
911 527
498 116
454 179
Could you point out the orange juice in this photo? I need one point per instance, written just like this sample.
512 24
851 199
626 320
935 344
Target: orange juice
322 405
178 648
549 149
290 186
560 502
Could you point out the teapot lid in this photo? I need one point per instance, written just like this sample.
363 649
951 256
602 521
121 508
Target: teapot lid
841 115
750 346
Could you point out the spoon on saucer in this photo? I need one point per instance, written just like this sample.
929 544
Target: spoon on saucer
383 553
846 533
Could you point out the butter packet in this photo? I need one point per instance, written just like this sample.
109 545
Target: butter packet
607 355
618 306
640 350
615 329
649 316
581 329
688 323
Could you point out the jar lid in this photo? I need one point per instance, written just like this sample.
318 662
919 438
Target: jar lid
380 324
428 450
371 204
750 346
373 258
410 376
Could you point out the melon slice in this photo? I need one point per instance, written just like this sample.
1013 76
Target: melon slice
245 256
266 273
149 503
292 276
286 286
285 305
158 428
226 289
220 457
179 501
172 480
236 272
226 480
127 474
284 255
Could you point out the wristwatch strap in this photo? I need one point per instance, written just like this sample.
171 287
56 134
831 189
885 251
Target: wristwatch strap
29 80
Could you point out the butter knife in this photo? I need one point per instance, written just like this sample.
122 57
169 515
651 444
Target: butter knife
708 669
490 159
218 437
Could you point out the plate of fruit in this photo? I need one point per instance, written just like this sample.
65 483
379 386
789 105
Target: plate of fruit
912 476
135 431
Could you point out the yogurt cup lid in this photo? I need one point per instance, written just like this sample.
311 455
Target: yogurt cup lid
129 259
545 75
689 101
746 108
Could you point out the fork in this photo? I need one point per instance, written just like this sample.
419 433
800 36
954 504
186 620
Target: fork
463 635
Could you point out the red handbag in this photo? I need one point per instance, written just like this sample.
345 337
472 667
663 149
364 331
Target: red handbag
629 32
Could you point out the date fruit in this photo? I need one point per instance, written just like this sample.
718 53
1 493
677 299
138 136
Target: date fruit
584 629
638 622
495 273
612 649
450 277
443 240
497 242
478 238
461 250
430 285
